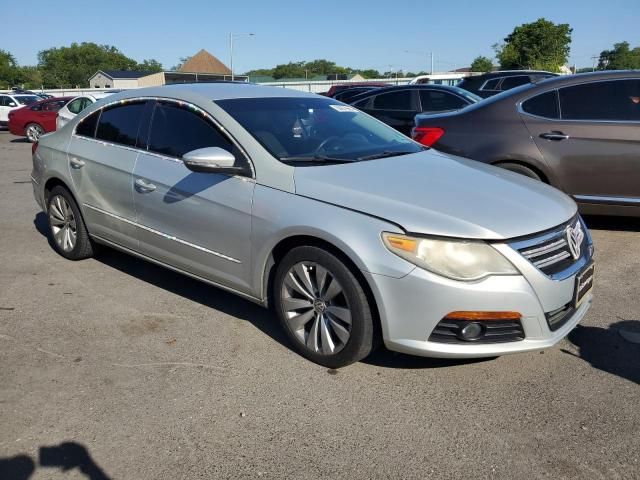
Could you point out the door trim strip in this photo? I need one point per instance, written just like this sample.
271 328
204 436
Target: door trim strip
162 234
608 200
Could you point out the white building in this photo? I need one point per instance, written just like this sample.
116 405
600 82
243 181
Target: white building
116 79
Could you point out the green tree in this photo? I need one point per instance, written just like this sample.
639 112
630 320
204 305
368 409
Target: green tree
541 45
150 65
620 57
9 71
368 73
30 77
72 66
481 64
182 61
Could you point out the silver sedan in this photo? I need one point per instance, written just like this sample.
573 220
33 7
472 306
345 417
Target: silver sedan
352 233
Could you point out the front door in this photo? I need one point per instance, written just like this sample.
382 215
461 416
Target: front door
197 222
594 145
5 107
101 156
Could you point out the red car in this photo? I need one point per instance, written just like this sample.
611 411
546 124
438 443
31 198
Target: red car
35 119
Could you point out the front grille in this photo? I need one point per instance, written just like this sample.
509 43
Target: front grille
495 331
551 252
557 318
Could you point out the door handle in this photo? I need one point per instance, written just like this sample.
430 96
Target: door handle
555 135
75 163
143 186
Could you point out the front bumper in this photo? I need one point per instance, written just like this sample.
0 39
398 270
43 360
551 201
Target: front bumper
412 306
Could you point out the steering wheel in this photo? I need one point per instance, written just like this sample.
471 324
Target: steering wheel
324 143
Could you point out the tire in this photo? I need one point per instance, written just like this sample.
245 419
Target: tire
322 308
521 169
33 131
67 231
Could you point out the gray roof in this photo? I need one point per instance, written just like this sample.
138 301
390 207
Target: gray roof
124 74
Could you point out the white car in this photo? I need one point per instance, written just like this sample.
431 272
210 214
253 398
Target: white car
13 101
75 106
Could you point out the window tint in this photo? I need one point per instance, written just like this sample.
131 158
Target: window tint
512 82
87 126
400 100
544 105
435 101
612 100
176 131
120 124
76 105
53 105
491 84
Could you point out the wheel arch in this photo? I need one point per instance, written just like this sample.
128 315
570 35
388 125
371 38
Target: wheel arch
288 243
532 165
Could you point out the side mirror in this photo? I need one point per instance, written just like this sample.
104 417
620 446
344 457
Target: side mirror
211 160
13 104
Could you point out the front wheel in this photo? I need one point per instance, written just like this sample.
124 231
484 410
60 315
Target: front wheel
33 131
322 307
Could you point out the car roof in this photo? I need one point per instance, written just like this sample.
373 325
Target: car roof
409 86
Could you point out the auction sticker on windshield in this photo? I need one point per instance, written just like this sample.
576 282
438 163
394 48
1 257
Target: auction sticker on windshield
343 108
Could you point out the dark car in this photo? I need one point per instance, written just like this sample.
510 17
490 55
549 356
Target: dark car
36 119
489 84
346 96
579 133
397 106
346 86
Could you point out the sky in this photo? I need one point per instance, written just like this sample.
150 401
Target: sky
381 34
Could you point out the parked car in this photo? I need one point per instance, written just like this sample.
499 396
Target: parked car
492 83
13 101
397 106
75 106
36 119
579 133
345 96
346 86
348 229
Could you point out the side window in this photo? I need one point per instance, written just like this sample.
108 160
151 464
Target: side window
400 100
4 101
176 130
53 106
491 84
76 105
87 126
435 101
119 124
513 82
544 105
611 100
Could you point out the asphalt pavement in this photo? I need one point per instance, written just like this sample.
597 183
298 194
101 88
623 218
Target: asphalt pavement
115 368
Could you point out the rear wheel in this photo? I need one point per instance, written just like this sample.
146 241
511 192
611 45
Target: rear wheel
521 169
67 230
323 308
33 131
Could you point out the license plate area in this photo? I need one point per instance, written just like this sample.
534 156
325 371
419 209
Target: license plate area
584 284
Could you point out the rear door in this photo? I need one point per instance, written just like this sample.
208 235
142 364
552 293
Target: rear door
198 222
589 134
396 108
5 108
102 153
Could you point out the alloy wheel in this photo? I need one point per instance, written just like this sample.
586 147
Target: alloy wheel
316 308
33 132
63 223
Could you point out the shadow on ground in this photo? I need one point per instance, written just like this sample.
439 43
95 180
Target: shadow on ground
65 457
611 349
601 222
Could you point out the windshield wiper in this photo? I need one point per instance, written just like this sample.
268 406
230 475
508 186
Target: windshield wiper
386 153
315 159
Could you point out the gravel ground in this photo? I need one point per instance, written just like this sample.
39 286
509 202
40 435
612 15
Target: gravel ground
114 368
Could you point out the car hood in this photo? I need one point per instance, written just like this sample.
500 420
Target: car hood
438 194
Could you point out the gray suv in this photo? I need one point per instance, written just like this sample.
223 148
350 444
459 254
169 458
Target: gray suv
351 231
579 133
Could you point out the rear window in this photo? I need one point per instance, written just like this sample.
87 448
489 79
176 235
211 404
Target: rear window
513 82
544 105
491 84
27 99
120 124
437 101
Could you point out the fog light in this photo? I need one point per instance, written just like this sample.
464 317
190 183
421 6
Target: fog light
471 331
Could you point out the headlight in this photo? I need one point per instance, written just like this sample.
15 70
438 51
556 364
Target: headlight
456 259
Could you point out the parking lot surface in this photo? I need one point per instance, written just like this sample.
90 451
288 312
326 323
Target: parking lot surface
115 368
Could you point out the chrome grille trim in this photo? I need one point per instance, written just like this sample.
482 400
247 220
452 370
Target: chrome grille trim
536 252
552 260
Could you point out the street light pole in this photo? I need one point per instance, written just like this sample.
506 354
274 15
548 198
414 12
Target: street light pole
231 37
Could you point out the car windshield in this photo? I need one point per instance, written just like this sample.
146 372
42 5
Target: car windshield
27 99
317 130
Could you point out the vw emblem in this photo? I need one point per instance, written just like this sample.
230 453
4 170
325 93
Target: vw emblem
319 306
575 235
